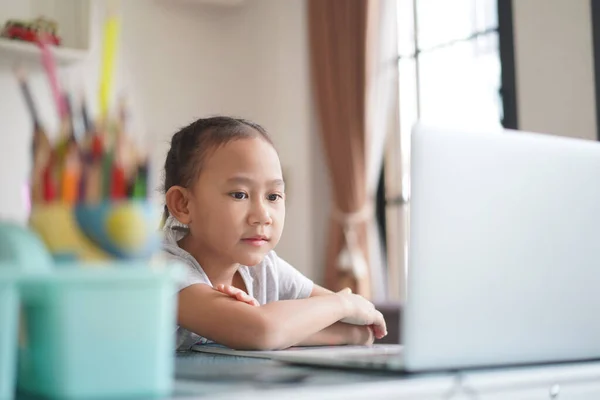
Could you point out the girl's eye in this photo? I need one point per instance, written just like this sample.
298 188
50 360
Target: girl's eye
274 197
239 195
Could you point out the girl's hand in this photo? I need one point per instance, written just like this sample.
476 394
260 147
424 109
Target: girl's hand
360 311
361 335
237 294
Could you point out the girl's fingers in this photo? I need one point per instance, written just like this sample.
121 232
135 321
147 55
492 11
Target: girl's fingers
228 289
238 294
245 297
241 296
379 326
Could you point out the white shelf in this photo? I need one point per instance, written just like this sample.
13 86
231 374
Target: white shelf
74 21
14 52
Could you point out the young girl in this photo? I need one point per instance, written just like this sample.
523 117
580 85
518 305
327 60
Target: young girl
224 214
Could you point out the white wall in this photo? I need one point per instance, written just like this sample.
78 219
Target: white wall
554 67
269 59
249 61
180 61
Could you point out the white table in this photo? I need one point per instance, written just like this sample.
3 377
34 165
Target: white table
223 377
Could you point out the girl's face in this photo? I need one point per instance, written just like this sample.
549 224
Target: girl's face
237 205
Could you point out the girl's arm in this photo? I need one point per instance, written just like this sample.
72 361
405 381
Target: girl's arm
276 325
338 333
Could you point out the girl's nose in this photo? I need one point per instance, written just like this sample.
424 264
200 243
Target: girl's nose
260 215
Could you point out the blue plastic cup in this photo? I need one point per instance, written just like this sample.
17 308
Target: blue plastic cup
123 230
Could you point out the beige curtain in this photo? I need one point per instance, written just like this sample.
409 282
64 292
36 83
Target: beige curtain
340 34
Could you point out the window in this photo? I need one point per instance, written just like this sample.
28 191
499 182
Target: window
456 66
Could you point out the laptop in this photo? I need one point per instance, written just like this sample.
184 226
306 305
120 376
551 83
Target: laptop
504 255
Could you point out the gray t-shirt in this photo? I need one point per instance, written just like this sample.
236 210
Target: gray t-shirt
271 280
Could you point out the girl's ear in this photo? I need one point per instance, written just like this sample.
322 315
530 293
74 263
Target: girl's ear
177 199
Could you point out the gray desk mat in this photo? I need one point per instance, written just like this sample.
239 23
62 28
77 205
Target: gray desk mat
201 374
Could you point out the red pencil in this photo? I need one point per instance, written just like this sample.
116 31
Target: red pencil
118 188
49 184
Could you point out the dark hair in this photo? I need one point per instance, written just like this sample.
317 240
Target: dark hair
191 144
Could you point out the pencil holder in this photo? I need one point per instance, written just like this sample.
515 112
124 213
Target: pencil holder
99 332
126 230
84 332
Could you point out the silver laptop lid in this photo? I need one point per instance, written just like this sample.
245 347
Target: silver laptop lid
504 259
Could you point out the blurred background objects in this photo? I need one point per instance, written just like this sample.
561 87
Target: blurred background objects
521 64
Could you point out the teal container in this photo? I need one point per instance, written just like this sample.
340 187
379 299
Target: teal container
98 332
9 317
21 254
